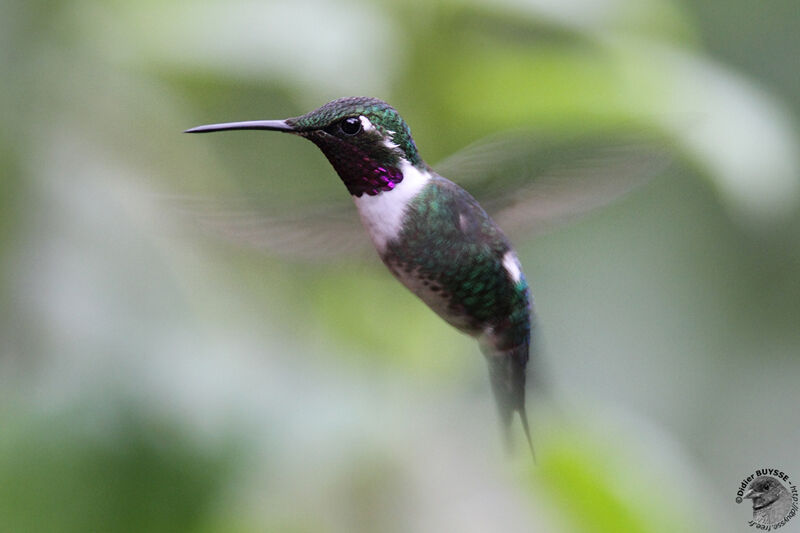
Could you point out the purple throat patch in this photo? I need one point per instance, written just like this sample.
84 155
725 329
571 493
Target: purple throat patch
360 171
379 180
368 177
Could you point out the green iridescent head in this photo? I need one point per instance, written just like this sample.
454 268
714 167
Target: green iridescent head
338 118
365 140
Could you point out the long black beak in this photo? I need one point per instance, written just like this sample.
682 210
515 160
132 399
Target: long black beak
272 125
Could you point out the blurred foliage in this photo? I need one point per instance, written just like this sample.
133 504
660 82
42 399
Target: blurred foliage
106 471
134 352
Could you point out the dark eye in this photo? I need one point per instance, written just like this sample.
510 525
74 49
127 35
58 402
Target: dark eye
350 126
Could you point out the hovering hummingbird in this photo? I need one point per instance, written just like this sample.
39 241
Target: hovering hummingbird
432 235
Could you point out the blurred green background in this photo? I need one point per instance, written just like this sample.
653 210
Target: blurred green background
155 379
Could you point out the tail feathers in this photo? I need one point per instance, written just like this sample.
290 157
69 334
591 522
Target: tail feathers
507 374
523 416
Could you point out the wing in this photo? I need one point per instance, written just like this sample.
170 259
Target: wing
324 232
530 184
527 182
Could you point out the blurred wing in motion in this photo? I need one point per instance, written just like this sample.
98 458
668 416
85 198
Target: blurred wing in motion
317 233
527 183
530 184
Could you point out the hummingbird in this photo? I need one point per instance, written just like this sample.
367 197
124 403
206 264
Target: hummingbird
431 234
435 237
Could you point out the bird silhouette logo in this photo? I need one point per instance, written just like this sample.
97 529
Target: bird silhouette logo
774 498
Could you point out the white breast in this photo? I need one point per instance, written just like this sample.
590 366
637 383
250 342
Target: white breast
382 214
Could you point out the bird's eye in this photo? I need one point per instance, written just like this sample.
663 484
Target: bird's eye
350 125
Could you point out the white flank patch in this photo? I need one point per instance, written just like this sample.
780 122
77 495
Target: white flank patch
462 222
512 265
382 214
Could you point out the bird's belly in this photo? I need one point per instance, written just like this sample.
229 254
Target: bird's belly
436 297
